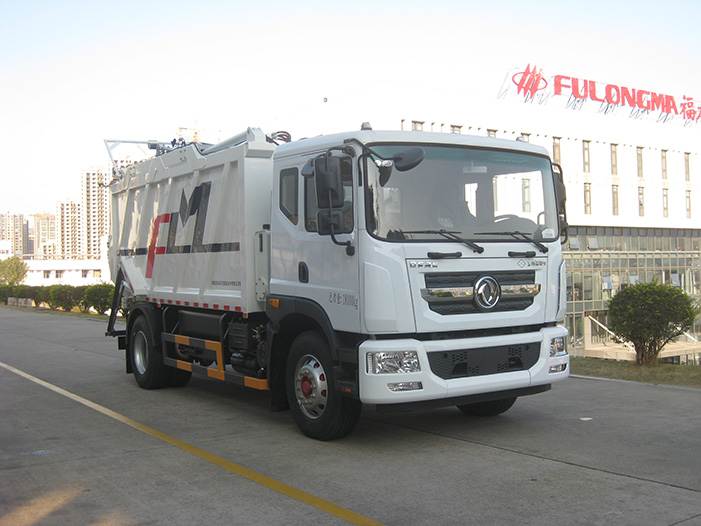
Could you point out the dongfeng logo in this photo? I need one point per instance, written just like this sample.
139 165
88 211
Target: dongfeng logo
487 293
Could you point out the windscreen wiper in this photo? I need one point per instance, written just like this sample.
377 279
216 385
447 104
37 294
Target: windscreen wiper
449 234
516 235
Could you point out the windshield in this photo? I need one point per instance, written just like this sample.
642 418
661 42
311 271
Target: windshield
479 194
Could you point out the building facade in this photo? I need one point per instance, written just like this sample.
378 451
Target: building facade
95 208
15 229
44 234
70 227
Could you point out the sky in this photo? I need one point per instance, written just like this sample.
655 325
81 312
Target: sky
73 73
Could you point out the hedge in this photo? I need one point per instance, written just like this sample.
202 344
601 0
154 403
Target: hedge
66 297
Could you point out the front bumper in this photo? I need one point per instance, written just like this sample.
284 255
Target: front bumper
426 385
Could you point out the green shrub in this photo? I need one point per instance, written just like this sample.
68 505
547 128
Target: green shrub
79 298
62 297
650 315
46 297
21 291
99 297
5 292
36 294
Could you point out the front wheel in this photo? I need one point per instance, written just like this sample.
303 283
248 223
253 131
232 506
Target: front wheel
319 411
146 359
492 408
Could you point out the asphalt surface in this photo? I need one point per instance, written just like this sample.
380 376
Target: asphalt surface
88 447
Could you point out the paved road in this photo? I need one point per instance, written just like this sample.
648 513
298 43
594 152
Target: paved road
588 452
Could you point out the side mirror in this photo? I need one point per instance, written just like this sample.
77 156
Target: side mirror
561 198
329 221
329 185
403 161
560 190
409 158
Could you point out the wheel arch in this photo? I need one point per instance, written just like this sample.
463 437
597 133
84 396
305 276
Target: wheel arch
289 317
280 336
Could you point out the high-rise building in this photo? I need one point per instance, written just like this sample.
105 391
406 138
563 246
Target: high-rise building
45 236
15 229
94 197
70 226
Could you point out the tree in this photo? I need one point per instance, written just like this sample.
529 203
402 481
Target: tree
13 271
650 315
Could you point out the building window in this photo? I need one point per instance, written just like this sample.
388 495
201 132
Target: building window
417 125
664 164
688 204
47 274
665 202
587 198
585 151
640 161
84 273
491 133
556 149
614 159
97 273
687 171
614 199
59 273
641 201
454 128
526 194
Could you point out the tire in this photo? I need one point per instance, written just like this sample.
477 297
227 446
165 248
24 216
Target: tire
319 411
492 408
146 358
178 377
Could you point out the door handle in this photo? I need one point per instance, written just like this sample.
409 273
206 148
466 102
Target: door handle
303 272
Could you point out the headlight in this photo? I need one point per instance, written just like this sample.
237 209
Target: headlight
558 346
393 362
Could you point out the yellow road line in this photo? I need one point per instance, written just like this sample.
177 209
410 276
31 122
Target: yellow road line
280 487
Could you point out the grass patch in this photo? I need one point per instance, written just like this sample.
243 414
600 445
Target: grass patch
679 375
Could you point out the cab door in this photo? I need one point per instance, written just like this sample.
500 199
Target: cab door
305 260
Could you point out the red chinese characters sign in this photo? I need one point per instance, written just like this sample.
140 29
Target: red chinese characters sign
532 86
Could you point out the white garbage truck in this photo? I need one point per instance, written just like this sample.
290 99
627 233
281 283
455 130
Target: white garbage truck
395 269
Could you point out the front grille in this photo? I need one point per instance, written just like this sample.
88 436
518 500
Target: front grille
460 307
467 279
445 305
484 361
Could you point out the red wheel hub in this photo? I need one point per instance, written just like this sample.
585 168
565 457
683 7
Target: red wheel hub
306 387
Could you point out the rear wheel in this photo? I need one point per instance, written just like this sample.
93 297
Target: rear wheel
491 408
319 411
146 359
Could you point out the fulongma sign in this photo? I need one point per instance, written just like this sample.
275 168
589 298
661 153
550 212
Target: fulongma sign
531 86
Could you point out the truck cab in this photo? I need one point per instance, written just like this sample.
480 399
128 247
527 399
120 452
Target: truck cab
430 264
